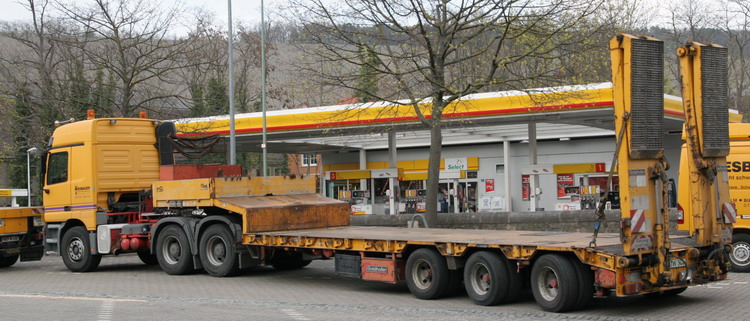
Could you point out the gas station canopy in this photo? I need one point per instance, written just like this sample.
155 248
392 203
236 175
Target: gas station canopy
559 112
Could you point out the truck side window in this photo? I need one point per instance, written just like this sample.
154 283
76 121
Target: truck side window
57 170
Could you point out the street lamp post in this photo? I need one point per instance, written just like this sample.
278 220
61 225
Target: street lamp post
29 151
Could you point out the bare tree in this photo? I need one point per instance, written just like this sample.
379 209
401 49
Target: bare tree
131 40
688 20
431 53
735 25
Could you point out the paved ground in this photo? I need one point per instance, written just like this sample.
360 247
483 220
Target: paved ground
125 289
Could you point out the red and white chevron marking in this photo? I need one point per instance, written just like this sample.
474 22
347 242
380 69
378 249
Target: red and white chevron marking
37 211
638 221
730 213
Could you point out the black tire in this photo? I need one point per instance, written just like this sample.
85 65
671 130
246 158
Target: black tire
585 277
427 274
76 251
740 255
173 251
6 261
490 280
666 293
218 251
554 283
284 261
148 258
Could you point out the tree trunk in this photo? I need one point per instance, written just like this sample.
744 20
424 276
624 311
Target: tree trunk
433 174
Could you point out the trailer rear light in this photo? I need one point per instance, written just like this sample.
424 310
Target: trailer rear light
680 214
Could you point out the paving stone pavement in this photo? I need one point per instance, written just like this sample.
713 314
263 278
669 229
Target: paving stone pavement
125 289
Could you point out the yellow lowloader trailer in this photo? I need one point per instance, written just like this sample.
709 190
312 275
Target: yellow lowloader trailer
111 187
20 235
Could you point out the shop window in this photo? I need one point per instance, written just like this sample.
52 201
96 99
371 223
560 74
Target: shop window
309 160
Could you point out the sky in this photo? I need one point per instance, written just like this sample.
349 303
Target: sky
242 10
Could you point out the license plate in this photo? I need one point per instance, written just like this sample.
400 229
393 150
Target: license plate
676 263
10 239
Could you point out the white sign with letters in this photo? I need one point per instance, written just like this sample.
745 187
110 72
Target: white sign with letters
456 164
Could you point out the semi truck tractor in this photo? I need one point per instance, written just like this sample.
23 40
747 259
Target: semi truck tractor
112 187
20 235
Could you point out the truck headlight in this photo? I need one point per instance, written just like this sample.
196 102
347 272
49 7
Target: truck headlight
38 221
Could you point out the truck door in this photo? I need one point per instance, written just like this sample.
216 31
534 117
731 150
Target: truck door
57 185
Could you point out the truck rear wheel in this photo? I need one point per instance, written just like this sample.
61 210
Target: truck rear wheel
554 283
217 251
173 251
740 255
76 251
6 261
427 274
489 280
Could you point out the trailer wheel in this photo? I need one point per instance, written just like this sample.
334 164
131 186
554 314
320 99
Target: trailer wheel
740 255
427 274
490 280
147 258
6 261
76 251
217 251
585 277
284 261
554 283
173 251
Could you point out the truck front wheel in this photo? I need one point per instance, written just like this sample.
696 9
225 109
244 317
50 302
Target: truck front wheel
6 261
173 251
217 251
76 251
740 256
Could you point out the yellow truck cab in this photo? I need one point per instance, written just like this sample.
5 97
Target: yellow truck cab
738 170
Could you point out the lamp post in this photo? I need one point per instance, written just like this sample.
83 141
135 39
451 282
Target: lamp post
230 63
29 151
